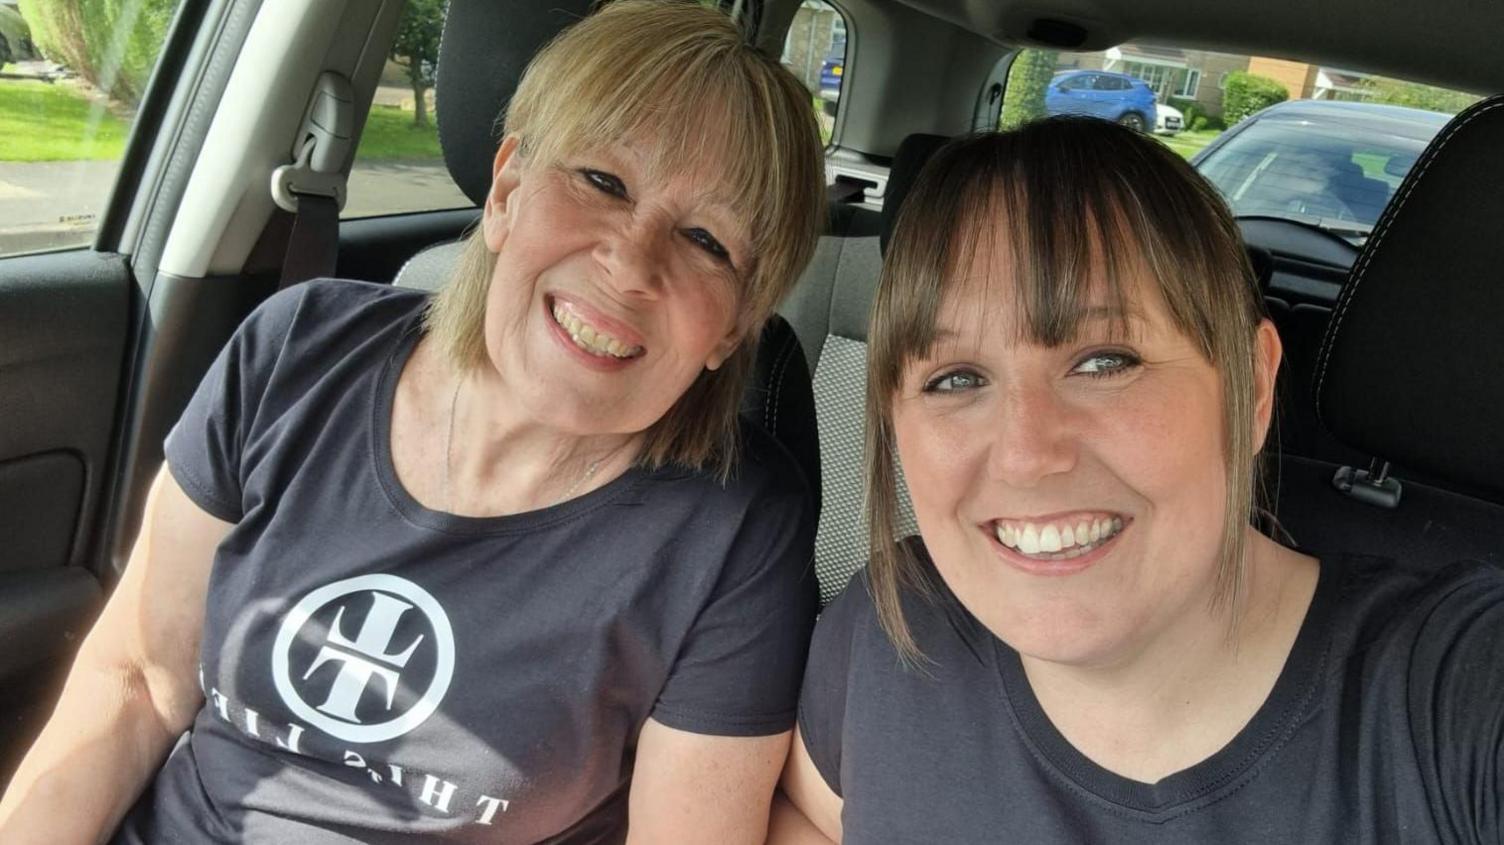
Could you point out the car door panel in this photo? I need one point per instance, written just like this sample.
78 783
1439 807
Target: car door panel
64 321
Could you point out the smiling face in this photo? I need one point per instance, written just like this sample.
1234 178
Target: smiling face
1071 495
614 286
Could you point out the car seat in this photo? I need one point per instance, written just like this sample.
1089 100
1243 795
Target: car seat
1409 369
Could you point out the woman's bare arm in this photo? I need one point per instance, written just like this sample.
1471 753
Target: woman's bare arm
806 811
132 690
692 788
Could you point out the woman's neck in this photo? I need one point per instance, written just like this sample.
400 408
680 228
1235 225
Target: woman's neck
1181 696
500 461
480 457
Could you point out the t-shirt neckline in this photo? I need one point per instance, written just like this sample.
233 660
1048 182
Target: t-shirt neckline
1209 780
383 397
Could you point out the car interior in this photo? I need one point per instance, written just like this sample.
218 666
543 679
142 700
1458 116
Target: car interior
1392 391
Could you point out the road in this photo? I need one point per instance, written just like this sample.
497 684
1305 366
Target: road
45 205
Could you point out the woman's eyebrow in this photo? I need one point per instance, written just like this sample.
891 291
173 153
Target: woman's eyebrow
1111 312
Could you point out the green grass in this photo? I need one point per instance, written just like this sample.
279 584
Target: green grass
390 134
56 122
1189 143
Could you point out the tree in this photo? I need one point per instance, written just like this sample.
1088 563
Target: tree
1416 96
1023 96
416 49
1244 93
109 43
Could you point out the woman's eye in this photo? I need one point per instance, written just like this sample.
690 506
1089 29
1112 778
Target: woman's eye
605 182
707 242
1104 364
954 382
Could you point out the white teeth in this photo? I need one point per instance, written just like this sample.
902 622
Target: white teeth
1057 542
1049 539
1028 541
1006 535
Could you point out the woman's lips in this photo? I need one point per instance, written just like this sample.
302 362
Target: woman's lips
593 331
588 349
1057 545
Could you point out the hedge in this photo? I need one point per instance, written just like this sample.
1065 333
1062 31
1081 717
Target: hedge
1023 95
1246 93
111 43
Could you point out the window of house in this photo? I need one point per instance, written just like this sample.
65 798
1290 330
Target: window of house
1189 84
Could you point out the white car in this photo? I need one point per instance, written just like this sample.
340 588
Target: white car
1168 120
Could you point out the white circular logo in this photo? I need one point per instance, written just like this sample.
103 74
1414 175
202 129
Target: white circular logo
366 659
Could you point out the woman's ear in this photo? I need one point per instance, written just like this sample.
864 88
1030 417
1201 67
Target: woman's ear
725 348
506 175
1267 352
740 330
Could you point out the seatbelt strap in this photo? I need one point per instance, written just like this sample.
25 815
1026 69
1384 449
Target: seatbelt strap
313 187
313 245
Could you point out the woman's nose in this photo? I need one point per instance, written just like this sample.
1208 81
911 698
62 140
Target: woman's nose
1032 438
633 255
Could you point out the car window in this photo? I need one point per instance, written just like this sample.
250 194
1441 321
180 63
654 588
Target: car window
72 76
1320 145
815 51
398 167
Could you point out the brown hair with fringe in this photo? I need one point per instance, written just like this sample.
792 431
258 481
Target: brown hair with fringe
685 76
1075 202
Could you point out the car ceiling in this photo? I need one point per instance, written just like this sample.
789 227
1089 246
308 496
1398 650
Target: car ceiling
1453 43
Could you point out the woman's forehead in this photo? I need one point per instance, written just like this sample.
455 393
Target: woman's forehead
993 294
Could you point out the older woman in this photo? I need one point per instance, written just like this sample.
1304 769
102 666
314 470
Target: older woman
481 567
1088 642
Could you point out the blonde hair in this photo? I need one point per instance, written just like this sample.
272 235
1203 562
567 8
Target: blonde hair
683 75
1073 201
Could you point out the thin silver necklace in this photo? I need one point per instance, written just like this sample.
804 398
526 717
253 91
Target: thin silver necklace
454 401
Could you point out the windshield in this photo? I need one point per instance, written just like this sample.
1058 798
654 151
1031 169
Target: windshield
1335 173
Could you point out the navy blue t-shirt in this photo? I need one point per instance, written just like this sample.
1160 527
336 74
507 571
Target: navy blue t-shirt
374 670
1386 725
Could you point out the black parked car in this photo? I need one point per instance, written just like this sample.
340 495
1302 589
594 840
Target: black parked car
1333 165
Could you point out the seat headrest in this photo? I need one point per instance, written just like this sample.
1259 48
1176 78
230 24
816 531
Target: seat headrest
907 162
484 49
1412 366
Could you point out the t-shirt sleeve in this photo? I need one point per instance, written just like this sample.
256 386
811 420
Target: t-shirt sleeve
738 671
205 449
1457 705
822 704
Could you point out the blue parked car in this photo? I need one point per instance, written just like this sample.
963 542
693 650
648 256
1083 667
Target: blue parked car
1113 96
832 68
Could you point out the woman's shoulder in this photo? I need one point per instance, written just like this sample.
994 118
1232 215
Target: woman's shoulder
1384 599
938 622
330 305
764 471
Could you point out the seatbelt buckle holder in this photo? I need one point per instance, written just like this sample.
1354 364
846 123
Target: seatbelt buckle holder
323 146
291 180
